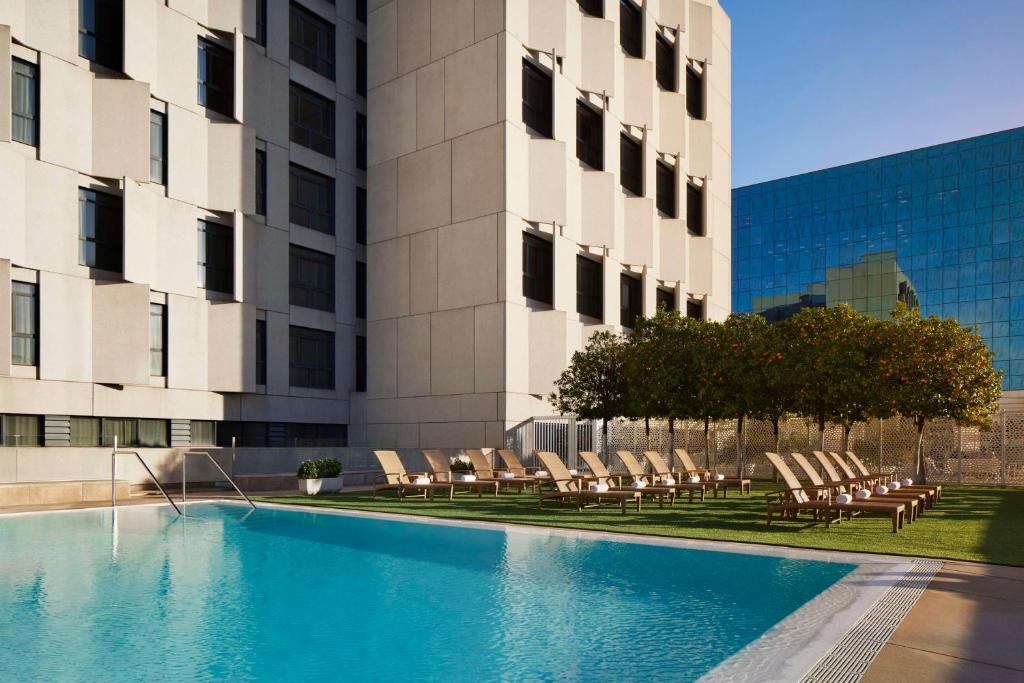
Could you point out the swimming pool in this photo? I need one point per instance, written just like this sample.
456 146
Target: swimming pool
274 594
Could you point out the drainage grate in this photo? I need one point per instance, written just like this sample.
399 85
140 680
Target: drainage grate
851 656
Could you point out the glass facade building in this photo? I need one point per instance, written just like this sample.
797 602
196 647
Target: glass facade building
941 227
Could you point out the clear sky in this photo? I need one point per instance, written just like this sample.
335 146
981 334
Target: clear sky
817 83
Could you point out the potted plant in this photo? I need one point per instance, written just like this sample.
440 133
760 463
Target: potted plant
462 468
320 476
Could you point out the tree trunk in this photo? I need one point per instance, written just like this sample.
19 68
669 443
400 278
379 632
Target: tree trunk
604 439
707 443
920 474
647 430
847 428
671 439
821 432
740 453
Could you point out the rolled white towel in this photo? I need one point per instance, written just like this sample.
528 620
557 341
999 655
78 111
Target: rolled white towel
894 485
598 488
421 481
639 484
694 479
468 477
719 477
540 473
668 481
881 490
908 482
862 494
844 498
573 472
507 475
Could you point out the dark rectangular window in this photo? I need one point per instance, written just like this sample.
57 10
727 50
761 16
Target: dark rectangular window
538 269
360 215
665 298
695 308
311 199
100 32
85 431
589 135
248 434
216 77
310 358
694 93
261 182
666 189
589 287
310 278
158 147
261 352
360 363
360 67
21 430
537 98
665 55
593 8
630 300
631 164
100 230
631 28
24 323
312 41
694 210
361 11
261 22
24 102
203 432
135 432
360 289
157 340
360 141
311 119
216 257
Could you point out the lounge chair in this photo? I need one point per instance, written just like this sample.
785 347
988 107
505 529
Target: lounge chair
569 488
599 470
915 502
486 472
710 476
636 472
514 465
855 481
845 471
395 478
934 491
438 463
790 501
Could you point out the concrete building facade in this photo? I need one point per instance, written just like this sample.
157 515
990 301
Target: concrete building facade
538 170
179 254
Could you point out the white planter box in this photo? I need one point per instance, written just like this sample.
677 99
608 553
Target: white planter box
311 487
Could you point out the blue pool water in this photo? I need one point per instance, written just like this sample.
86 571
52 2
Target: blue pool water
276 595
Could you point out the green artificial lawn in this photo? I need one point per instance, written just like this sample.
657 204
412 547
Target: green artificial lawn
970 523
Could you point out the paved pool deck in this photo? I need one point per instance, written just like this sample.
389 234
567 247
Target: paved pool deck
967 626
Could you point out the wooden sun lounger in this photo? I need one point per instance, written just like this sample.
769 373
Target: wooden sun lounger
845 471
395 478
914 501
514 465
636 471
790 501
438 463
486 472
934 491
604 476
855 482
568 488
689 468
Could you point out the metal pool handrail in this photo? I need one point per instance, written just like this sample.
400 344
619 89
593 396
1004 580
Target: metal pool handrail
184 478
113 476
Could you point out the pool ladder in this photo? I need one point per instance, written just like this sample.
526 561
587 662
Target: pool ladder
184 478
